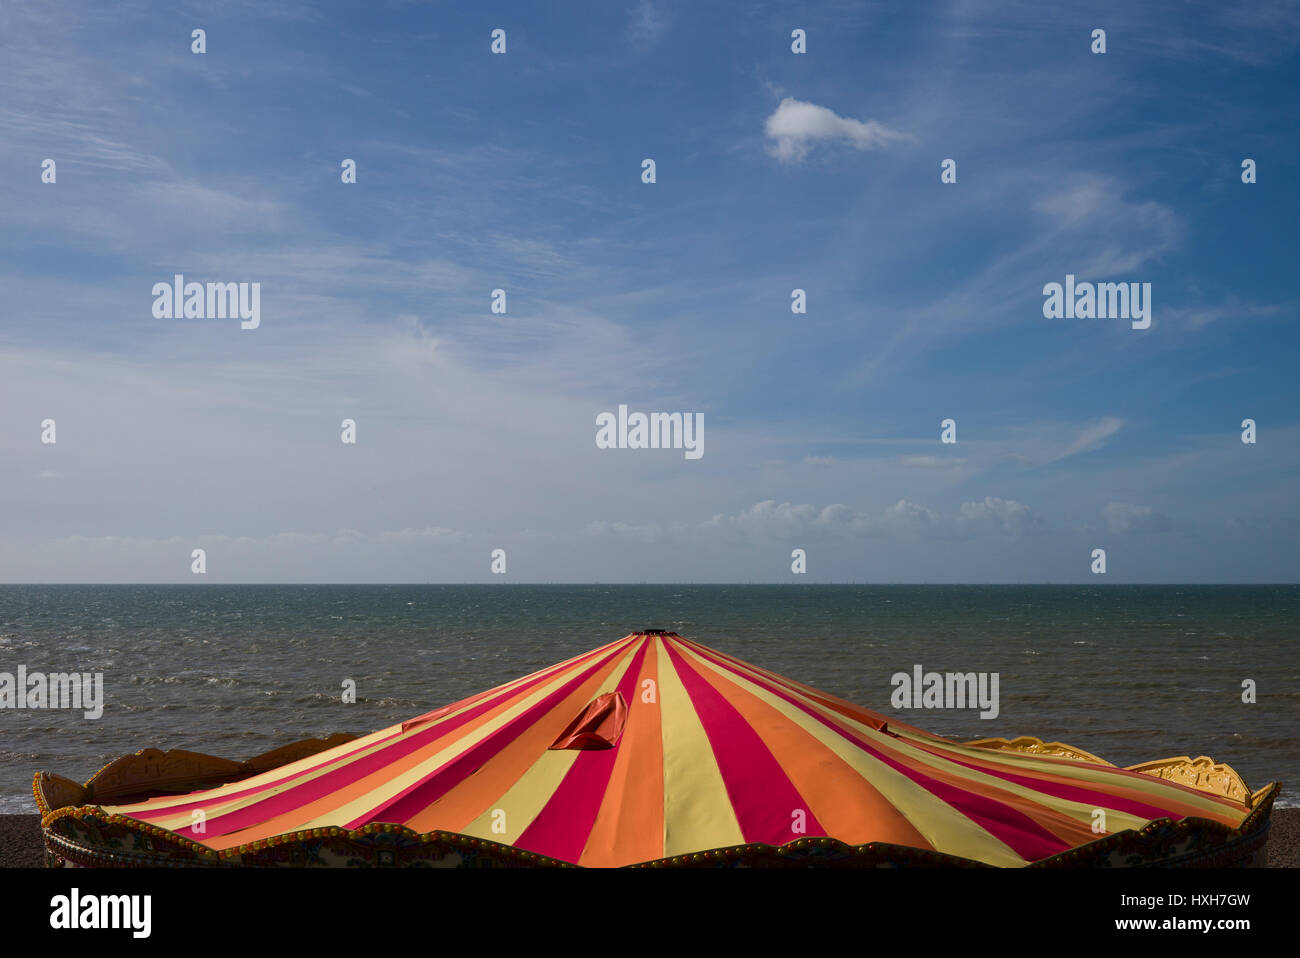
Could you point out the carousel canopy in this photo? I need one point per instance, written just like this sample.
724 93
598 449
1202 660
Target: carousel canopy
655 746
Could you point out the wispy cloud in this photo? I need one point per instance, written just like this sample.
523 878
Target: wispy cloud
1092 436
1198 317
477 172
647 23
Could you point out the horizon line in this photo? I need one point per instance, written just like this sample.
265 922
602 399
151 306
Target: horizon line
637 583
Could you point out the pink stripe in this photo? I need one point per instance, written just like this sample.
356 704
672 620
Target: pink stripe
418 796
286 801
561 828
780 692
549 672
762 795
1018 831
772 680
1028 839
1095 797
150 814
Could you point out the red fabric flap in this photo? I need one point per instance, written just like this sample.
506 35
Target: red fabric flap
599 725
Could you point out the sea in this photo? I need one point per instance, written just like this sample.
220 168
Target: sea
1129 673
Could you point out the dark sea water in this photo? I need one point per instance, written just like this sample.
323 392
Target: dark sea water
1129 673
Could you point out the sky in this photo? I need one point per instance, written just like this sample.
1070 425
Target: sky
774 171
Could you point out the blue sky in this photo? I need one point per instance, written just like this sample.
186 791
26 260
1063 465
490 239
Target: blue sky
774 171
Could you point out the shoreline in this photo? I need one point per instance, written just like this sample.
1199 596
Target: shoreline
21 847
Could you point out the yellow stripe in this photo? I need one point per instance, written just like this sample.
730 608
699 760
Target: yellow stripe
913 757
525 800
267 784
941 824
372 800
1102 776
357 748
697 811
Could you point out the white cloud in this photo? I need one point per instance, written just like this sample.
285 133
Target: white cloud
786 520
1004 516
770 518
1122 517
795 126
904 516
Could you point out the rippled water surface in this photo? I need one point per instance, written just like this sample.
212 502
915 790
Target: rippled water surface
1127 672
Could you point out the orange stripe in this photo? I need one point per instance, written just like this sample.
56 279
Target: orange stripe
472 797
532 679
846 804
1161 797
629 827
338 798
827 701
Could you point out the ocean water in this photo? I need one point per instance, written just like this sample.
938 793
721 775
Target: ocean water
1129 673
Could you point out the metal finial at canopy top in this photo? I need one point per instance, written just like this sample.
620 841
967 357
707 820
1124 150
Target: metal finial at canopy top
654 749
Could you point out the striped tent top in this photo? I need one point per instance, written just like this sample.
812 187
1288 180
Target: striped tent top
656 746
